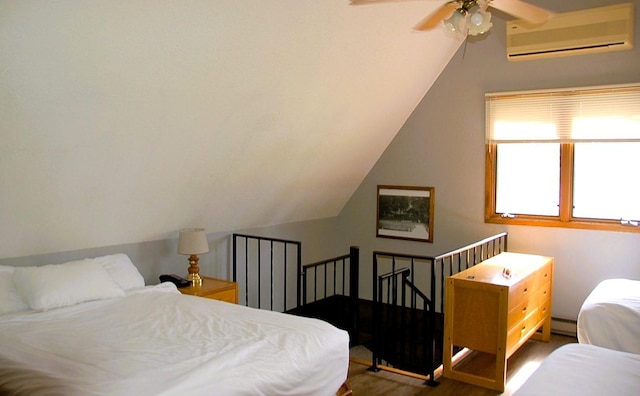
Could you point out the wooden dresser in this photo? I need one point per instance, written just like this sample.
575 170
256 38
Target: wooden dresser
217 289
492 309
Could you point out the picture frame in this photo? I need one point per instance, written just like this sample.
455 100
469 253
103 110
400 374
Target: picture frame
405 212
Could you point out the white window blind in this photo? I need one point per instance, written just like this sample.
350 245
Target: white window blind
606 113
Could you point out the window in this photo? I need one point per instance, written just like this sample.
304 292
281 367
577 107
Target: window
564 158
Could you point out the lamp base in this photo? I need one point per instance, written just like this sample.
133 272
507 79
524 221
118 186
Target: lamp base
195 279
194 271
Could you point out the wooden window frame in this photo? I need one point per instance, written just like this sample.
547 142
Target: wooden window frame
565 218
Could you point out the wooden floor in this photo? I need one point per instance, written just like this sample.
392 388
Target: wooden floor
520 366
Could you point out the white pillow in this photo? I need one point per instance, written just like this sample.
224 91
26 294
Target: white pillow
59 285
10 299
122 270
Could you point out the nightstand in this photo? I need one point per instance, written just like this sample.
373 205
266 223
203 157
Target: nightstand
216 289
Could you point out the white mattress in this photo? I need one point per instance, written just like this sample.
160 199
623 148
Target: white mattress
610 316
585 370
154 342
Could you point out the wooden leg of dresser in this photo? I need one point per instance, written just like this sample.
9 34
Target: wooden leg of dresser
544 333
546 329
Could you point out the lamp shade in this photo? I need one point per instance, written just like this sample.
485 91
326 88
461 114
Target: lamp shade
192 241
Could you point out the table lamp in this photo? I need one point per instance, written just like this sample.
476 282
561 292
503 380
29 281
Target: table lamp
193 241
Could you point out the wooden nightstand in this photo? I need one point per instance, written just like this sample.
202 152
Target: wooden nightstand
217 289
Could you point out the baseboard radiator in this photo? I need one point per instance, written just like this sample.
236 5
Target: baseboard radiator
566 327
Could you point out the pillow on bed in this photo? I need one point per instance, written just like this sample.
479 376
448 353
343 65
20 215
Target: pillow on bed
60 285
10 299
122 270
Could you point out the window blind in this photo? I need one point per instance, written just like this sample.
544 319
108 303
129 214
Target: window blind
605 113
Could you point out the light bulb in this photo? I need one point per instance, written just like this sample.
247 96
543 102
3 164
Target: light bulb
482 27
475 15
476 19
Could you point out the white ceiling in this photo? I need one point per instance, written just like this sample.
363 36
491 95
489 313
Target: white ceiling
125 120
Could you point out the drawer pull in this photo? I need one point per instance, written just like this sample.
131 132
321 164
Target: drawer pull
524 309
525 290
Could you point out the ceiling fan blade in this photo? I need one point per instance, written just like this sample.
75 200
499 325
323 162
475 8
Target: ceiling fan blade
365 2
522 10
433 20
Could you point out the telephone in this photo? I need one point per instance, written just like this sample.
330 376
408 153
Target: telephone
175 279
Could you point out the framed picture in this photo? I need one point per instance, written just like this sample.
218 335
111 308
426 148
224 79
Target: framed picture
405 213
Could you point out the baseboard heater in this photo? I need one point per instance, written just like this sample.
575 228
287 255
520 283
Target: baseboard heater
566 327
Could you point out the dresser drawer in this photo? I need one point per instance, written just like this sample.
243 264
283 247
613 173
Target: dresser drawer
543 293
540 302
544 274
520 313
522 292
544 310
521 331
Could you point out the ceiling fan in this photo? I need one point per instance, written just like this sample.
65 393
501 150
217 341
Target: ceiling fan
471 16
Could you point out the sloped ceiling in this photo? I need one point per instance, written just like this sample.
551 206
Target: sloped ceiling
123 121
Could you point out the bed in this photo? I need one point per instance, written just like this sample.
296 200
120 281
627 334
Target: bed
585 370
610 316
92 327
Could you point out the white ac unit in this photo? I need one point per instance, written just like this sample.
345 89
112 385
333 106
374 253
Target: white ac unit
599 29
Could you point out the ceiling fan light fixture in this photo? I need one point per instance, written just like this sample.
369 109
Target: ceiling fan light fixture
470 18
479 23
475 16
456 22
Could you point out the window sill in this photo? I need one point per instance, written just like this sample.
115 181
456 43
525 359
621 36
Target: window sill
602 225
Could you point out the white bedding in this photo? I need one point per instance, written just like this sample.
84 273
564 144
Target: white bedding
610 316
155 341
585 370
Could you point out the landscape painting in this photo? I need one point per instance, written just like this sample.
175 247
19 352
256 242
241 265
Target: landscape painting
405 213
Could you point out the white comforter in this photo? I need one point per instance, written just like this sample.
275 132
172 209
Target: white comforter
155 342
585 370
610 316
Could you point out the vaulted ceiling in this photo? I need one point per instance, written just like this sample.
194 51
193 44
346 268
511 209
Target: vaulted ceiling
125 120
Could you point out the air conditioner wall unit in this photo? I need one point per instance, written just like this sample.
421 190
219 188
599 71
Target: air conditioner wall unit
592 30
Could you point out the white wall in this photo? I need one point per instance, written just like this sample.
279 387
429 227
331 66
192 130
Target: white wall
153 258
442 145
124 121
